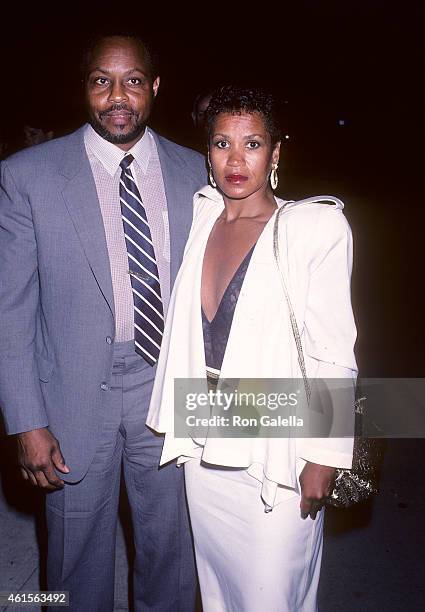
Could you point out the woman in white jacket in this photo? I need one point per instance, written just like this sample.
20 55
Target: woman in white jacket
255 502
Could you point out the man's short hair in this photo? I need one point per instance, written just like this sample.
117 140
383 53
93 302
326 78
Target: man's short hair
150 55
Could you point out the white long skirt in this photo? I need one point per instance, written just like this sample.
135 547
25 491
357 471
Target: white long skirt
249 560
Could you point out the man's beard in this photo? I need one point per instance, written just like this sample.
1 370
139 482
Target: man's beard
117 139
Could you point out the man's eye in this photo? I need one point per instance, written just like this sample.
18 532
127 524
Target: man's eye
135 81
253 144
100 80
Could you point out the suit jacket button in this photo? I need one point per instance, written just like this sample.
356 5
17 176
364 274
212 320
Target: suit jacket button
109 340
104 387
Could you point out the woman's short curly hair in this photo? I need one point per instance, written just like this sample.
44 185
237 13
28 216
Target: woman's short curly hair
238 100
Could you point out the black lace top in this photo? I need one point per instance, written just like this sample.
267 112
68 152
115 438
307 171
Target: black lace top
217 331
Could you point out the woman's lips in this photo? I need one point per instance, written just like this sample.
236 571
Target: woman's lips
236 178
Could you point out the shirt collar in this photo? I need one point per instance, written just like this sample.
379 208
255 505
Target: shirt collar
110 155
213 194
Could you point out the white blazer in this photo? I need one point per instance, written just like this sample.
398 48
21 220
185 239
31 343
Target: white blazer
316 255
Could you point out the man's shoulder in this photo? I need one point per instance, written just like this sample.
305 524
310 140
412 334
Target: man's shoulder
179 153
45 154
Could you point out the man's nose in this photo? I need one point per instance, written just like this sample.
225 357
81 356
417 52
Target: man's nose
118 93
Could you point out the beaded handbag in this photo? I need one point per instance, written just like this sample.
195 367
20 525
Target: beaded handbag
361 481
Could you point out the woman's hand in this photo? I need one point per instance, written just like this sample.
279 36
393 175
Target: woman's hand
316 484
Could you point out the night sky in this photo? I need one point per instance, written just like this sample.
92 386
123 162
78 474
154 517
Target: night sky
357 61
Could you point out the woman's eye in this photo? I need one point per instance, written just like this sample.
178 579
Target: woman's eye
134 81
221 144
101 81
253 144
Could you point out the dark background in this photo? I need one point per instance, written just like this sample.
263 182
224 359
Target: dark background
358 62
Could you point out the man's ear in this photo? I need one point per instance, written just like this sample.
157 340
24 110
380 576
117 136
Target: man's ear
155 86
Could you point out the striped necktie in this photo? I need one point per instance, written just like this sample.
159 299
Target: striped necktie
148 310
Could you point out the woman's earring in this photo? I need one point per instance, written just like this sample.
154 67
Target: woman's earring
274 179
212 181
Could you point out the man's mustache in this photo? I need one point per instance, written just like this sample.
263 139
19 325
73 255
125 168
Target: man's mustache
117 108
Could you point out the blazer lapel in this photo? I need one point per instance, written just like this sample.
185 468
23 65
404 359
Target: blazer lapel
81 200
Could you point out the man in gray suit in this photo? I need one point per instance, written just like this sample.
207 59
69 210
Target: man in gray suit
76 364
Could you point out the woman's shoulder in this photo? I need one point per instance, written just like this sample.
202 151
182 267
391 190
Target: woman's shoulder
317 212
313 227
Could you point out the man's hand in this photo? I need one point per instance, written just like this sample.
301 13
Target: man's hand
38 455
316 484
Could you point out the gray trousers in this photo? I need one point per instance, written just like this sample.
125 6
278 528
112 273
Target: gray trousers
82 518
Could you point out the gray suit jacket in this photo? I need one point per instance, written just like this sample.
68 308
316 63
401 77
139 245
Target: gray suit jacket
56 300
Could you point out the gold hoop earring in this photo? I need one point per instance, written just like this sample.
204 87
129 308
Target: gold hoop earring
210 176
274 179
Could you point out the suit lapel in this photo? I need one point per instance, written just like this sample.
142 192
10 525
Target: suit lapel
178 204
81 200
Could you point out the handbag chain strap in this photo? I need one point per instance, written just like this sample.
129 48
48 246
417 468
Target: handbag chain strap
276 252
